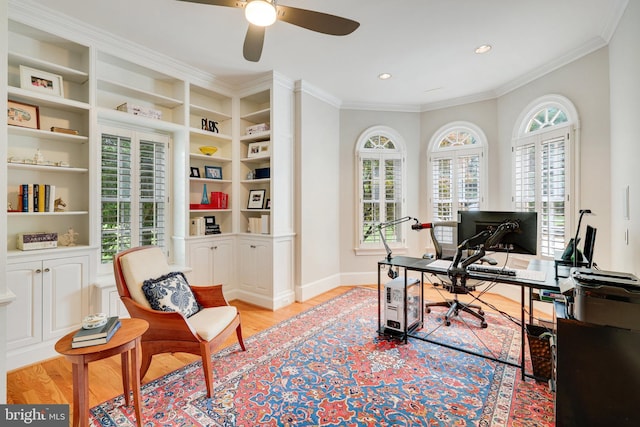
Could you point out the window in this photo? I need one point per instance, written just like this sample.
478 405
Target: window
457 170
380 153
133 191
541 166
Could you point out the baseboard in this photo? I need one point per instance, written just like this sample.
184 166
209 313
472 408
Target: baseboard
310 290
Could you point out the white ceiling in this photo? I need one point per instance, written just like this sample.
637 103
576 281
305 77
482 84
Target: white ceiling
427 45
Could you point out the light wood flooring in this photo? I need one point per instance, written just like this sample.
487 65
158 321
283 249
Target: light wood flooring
50 381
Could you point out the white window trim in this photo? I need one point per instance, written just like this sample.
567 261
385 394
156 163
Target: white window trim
134 134
572 167
435 152
401 146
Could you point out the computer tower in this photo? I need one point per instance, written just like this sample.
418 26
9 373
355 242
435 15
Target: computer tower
392 305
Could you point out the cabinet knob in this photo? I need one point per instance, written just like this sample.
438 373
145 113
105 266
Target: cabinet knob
38 271
215 247
46 270
252 246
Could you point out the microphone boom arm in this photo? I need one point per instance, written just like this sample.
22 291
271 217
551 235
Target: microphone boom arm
383 225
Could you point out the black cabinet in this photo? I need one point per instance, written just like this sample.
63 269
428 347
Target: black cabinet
597 374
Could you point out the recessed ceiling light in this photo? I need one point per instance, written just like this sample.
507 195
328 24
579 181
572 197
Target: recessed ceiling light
384 76
483 49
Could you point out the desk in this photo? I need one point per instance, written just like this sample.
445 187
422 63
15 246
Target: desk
422 266
559 261
126 340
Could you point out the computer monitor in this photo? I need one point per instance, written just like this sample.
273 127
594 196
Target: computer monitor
522 241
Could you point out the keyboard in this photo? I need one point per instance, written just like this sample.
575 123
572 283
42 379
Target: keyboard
492 269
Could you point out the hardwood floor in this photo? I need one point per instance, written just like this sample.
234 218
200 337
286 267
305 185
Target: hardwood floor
50 381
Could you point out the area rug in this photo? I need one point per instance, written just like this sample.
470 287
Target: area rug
329 367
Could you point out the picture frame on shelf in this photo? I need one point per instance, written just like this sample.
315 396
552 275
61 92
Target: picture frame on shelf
195 172
213 172
268 204
23 115
256 199
40 81
259 149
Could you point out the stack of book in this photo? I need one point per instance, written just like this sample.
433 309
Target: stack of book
96 336
36 197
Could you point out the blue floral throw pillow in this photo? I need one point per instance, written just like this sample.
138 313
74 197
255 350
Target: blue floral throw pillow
171 292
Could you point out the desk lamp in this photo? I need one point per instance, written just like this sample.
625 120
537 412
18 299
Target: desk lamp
575 241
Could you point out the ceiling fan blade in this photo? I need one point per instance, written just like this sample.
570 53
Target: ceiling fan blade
253 42
317 21
228 3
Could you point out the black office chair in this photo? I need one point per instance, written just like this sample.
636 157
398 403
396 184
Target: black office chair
444 237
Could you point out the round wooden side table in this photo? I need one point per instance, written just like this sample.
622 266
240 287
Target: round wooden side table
126 340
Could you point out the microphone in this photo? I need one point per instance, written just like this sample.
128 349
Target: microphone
418 226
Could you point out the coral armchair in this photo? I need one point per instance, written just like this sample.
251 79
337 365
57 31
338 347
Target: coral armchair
172 331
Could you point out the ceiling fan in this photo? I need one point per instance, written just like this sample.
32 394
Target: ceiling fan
263 13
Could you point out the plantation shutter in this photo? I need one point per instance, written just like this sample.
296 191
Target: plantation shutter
152 193
553 194
442 189
468 175
541 184
381 173
115 195
133 191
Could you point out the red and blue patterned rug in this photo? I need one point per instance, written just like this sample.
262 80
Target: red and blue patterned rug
328 367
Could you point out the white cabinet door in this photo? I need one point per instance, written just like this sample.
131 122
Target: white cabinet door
201 263
24 314
222 262
65 295
254 266
51 299
211 262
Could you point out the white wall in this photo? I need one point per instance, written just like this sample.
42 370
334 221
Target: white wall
624 66
317 192
482 114
585 82
362 269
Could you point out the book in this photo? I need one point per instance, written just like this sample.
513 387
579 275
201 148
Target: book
97 341
52 198
36 240
64 130
47 197
36 197
95 333
41 199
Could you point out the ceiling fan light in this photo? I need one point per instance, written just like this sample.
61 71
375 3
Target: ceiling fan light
260 12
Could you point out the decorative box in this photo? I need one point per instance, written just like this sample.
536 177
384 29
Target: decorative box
261 127
138 110
262 173
37 240
219 200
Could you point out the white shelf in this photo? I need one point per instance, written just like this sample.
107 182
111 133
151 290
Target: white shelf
204 157
46 134
210 180
133 92
209 113
68 74
43 100
260 116
214 135
70 213
256 137
256 181
46 168
126 118
263 159
208 210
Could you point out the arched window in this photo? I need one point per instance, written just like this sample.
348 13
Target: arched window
380 154
457 165
542 168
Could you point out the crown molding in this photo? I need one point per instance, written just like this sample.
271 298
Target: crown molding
309 89
400 108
